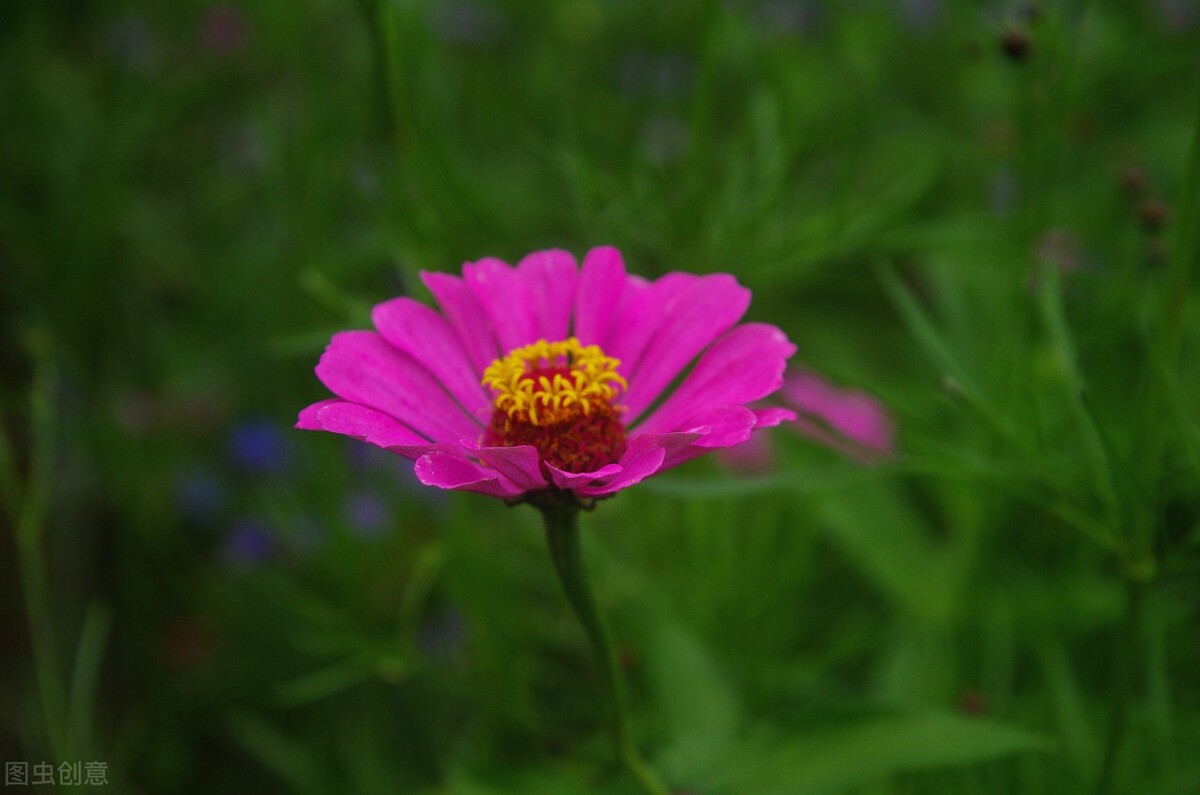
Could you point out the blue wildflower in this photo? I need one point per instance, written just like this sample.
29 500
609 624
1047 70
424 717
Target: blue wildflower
259 446
367 514
199 494
250 543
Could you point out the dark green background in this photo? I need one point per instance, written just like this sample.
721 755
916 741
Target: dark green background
983 214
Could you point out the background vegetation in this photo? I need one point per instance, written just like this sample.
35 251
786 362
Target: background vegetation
983 214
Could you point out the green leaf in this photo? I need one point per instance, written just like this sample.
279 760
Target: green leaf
700 710
1069 708
542 780
1055 320
1186 429
833 757
808 480
85 675
283 756
940 353
322 683
890 177
877 532
932 343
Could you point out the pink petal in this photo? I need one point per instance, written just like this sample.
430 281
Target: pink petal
692 319
855 415
753 456
645 456
601 282
361 367
360 422
505 298
466 317
520 464
449 470
425 335
572 481
770 417
639 315
722 426
745 364
307 420
635 469
550 278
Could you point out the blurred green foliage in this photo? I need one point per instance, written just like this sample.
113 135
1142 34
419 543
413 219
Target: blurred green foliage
985 214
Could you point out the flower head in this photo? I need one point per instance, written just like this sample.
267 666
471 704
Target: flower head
549 377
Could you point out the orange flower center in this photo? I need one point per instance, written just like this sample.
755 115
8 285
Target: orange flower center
559 397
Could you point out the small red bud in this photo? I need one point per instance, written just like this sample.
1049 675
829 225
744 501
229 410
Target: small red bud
1133 182
972 703
1154 214
1015 44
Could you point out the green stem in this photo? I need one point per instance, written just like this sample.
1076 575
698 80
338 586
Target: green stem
382 20
30 518
1129 641
46 666
1168 333
1183 254
562 536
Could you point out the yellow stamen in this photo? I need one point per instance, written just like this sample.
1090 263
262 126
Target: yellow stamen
525 390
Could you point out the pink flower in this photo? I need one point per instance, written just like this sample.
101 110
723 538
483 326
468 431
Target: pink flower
851 422
549 377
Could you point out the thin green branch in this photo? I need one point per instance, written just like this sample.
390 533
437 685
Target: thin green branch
1167 340
30 524
1054 318
85 677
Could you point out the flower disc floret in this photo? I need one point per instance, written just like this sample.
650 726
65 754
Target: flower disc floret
547 383
558 397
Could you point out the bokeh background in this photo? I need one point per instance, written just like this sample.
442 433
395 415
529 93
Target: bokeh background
983 215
